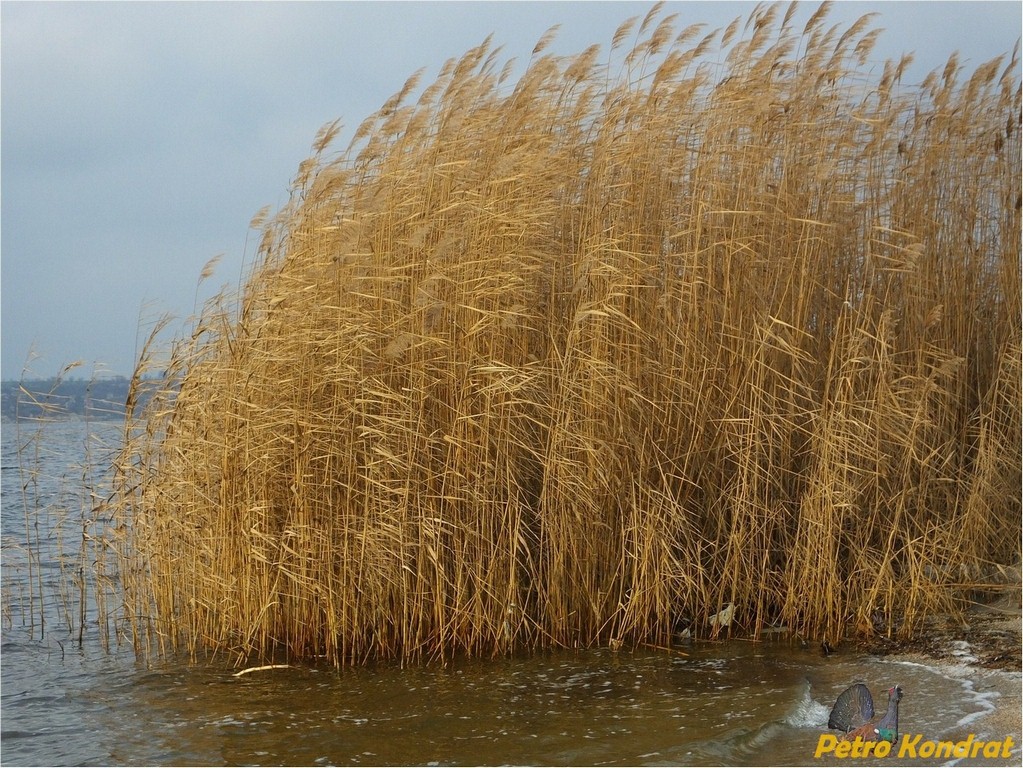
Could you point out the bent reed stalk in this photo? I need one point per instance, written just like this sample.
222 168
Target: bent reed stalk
587 357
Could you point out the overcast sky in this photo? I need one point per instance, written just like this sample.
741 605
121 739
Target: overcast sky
139 139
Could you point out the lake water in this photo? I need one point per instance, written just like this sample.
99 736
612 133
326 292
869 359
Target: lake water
725 703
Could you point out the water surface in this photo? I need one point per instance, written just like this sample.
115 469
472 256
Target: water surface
727 703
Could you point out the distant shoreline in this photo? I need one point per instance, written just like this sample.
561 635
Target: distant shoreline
64 399
64 418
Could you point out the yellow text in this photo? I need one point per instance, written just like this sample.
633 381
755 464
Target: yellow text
912 747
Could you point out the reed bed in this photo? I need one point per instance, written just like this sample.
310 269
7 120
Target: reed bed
712 318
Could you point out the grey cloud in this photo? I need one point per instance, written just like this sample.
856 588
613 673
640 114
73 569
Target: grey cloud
138 139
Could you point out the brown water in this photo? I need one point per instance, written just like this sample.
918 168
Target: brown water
729 703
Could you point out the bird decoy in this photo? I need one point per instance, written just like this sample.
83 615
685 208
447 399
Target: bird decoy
853 714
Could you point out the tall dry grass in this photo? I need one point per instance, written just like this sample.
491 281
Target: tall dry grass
585 357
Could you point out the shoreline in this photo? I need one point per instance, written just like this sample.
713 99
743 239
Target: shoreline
983 651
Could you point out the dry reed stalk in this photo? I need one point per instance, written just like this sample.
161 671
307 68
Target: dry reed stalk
588 358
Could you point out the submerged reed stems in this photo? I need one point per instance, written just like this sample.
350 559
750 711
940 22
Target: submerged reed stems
588 357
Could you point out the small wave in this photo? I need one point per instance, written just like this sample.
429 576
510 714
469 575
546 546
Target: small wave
229 720
986 702
807 712
964 675
728 748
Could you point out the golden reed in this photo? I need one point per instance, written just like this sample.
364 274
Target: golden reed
586 357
